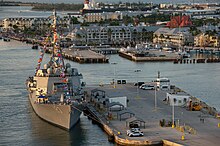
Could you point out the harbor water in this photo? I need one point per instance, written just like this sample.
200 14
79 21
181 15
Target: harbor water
19 124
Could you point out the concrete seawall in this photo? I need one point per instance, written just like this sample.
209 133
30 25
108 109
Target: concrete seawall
132 57
114 136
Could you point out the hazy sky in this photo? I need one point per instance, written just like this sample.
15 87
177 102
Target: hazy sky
111 1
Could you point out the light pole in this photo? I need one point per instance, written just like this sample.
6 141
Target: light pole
155 97
138 70
173 114
114 80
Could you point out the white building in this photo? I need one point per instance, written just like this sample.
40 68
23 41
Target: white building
101 35
175 36
38 23
177 99
122 100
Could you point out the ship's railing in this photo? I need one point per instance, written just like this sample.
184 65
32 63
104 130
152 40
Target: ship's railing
58 102
52 75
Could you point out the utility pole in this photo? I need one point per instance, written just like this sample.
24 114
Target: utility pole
114 80
138 70
155 97
173 125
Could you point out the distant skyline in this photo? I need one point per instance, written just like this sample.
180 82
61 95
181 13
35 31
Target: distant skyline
116 1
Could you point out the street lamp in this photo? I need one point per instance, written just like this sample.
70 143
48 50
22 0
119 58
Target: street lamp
114 80
155 96
137 71
173 114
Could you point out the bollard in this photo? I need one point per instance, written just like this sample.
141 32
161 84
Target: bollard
218 125
183 137
173 126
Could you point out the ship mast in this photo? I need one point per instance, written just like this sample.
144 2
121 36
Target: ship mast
56 57
56 60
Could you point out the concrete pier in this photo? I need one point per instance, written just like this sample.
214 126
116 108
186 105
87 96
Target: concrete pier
155 56
84 56
151 110
201 60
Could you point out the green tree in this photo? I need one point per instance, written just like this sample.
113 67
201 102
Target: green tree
74 20
109 33
194 30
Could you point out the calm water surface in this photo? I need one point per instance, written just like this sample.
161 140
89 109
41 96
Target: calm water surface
19 125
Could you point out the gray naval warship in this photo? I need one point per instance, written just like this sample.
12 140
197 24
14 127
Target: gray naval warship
55 92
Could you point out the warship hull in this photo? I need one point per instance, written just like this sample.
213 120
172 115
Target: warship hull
64 116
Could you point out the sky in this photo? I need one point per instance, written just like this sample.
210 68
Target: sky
116 1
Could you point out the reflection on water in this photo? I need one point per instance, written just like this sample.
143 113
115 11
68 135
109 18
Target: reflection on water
83 133
198 55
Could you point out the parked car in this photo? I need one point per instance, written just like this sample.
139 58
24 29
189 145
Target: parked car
138 83
136 134
165 87
147 87
133 130
133 125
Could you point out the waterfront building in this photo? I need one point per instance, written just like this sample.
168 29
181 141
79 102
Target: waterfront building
117 15
165 6
21 23
100 35
110 34
97 17
174 36
35 23
202 12
206 40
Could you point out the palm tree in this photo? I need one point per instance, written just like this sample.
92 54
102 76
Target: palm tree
161 37
134 34
123 32
144 34
78 36
155 36
109 33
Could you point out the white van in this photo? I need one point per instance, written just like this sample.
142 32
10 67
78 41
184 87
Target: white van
165 87
162 81
147 87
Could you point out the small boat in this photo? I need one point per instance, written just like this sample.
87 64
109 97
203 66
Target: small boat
184 54
35 46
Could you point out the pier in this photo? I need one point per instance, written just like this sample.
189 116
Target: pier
150 110
84 56
155 56
199 60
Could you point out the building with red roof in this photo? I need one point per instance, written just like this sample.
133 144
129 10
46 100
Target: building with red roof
179 21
